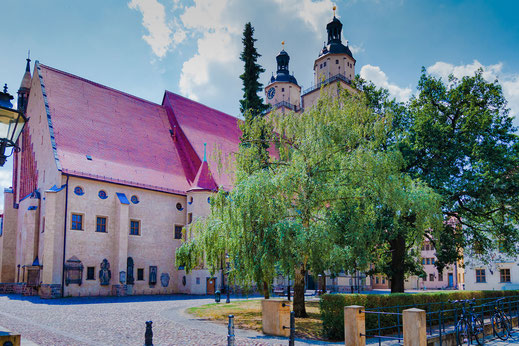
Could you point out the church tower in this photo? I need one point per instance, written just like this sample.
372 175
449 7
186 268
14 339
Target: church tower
334 63
25 88
283 92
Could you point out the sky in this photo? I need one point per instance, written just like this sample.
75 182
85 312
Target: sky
192 48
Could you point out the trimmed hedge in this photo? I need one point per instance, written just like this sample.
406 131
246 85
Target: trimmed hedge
332 306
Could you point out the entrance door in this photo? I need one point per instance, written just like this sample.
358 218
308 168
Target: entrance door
451 280
210 285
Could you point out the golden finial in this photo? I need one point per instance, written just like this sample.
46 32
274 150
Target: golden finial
334 8
283 44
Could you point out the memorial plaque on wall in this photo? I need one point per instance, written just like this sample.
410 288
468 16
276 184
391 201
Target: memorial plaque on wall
164 279
73 271
153 275
105 274
33 276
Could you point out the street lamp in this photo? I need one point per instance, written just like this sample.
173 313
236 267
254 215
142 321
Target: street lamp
12 123
228 267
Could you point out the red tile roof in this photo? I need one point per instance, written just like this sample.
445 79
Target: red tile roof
127 137
136 142
201 124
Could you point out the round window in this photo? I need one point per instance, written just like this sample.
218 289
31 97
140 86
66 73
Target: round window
135 199
190 201
78 190
102 194
179 207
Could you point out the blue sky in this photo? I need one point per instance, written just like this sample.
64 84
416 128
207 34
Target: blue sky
144 47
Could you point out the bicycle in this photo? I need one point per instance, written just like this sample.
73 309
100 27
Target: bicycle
469 324
501 324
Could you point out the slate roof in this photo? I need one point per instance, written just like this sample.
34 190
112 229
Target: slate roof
133 141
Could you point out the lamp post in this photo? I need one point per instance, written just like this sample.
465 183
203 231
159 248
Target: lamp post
228 268
12 123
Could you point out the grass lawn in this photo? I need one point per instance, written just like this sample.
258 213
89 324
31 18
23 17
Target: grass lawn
247 315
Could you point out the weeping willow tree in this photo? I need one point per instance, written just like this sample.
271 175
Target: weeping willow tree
316 205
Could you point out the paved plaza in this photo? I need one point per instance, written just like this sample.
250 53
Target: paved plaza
119 321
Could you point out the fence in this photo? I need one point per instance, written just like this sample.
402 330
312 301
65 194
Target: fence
440 318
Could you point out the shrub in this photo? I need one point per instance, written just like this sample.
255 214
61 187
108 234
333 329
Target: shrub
332 307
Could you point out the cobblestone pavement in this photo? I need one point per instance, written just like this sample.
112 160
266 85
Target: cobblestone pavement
119 321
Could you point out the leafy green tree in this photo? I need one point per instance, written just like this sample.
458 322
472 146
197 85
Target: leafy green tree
457 137
462 143
251 86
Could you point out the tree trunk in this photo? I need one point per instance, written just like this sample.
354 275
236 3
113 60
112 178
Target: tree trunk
266 291
397 264
299 292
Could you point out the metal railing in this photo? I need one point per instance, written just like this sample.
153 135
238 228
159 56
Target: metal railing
441 317
332 79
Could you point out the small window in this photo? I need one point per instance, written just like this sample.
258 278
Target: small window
102 194
91 273
178 232
432 260
134 199
423 261
321 66
179 207
431 277
42 226
428 261
189 218
504 275
324 64
427 247
440 277
135 227
78 190
282 89
383 281
425 278
480 275
337 62
77 222
198 281
101 224
376 280
140 274
190 201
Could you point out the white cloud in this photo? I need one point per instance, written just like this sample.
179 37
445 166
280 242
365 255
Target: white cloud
313 13
356 49
510 83
159 35
216 50
379 78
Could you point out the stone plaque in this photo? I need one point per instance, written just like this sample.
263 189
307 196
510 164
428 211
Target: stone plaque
153 275
129 271
104 273
122 277
164 279
74 271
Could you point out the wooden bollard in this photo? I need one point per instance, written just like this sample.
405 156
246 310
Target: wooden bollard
354 326
415 327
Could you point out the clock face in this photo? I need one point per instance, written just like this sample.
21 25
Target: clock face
271 92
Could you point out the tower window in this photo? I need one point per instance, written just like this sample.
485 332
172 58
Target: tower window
324 64
282 89
337 61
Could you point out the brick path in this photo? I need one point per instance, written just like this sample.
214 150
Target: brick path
119 321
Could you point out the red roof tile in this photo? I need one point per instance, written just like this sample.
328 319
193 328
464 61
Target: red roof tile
127 137
199 124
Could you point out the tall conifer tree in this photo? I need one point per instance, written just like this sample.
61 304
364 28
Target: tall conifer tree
251 86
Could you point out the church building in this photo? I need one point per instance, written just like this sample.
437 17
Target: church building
105 183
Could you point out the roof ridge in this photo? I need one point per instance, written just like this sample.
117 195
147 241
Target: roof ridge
201 104
99 85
